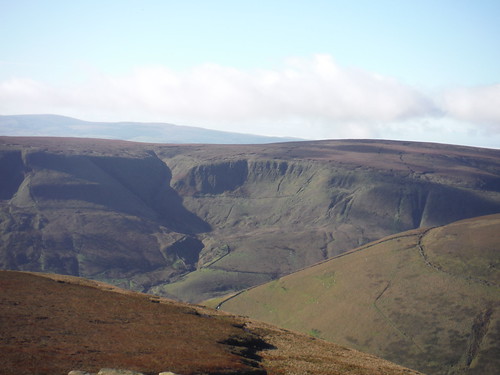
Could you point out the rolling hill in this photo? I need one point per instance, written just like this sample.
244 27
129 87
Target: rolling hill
193 222
428 298
52 324
62 126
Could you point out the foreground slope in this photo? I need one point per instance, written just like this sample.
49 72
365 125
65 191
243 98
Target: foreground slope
197 221
51 324
428 299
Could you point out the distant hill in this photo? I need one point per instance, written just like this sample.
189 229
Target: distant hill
51 324
193 222
62 126
428 299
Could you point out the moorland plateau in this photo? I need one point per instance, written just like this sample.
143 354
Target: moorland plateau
194 222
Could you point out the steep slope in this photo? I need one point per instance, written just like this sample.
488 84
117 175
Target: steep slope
278 208
101 213
51 324
197 221
428 299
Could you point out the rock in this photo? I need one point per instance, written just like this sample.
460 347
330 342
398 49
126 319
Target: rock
114 371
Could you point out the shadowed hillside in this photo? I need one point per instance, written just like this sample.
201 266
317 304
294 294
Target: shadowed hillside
52 324
428 299
198 221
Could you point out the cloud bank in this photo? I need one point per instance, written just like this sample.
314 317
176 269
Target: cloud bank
476 104
311 98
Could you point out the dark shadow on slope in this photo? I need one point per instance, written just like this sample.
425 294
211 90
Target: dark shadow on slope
187 250
149 180
247 345
446 204
137 186
11 173
215 178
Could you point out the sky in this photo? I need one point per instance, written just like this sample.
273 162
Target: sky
421 70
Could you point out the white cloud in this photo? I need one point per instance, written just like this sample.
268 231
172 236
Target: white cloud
476 104
311 98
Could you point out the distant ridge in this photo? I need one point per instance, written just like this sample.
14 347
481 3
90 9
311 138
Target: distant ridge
62 126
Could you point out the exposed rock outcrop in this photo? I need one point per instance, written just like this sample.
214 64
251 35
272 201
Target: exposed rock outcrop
200 221
114 371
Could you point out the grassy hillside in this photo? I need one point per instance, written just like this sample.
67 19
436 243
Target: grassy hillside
428 299
52 324
193 222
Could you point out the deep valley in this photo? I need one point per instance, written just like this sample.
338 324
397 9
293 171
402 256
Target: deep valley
201 222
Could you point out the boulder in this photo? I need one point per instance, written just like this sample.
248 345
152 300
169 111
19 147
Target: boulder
114 371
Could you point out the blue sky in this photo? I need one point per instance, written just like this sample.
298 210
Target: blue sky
417 70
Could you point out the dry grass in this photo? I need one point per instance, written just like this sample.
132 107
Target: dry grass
298 354
52 324
384 299
51 327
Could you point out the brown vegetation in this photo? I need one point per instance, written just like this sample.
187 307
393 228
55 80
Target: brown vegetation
51 324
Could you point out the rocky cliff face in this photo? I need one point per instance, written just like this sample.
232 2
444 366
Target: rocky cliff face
270 217
192 222
101 216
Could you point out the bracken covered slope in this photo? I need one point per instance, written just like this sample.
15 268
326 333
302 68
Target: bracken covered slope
198 221
51 324
428 299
